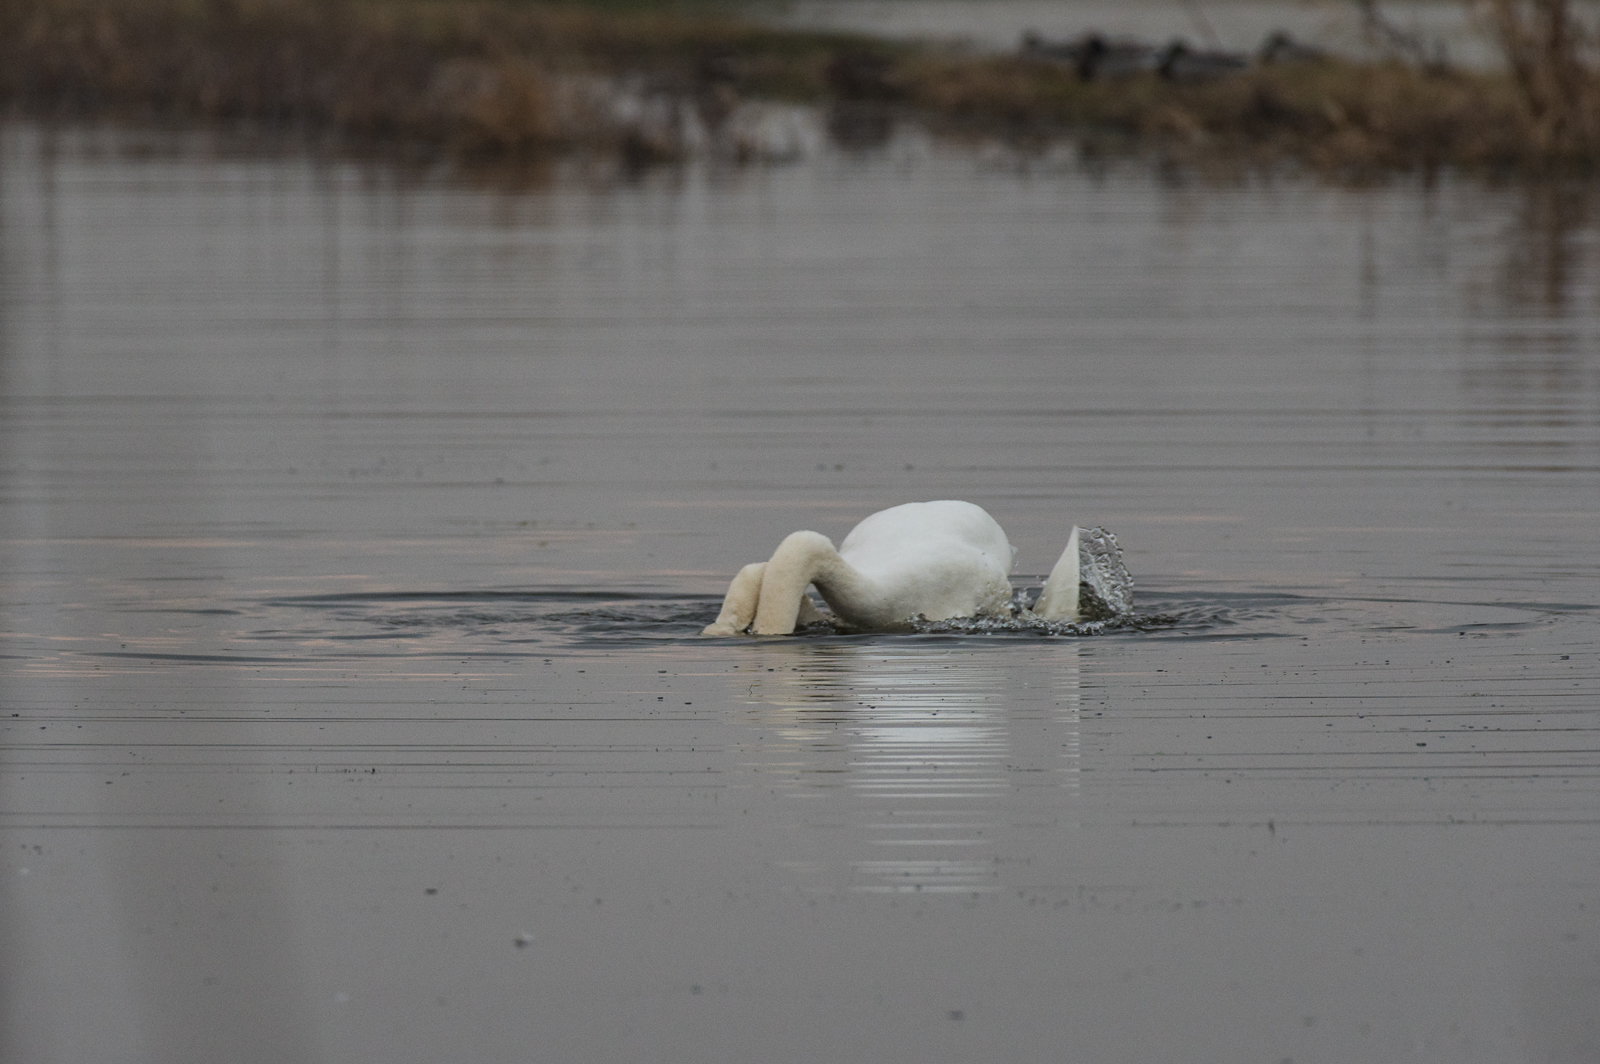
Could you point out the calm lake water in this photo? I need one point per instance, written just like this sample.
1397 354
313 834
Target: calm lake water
356 529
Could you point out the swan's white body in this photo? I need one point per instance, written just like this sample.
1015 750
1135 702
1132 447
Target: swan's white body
934 560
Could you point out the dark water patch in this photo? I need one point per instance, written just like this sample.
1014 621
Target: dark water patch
611 617
218 612
507 615
537 595
433 621
200 659
357 637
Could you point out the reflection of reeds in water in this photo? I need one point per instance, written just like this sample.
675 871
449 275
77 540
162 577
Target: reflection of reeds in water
1538 296
1545 251
495 80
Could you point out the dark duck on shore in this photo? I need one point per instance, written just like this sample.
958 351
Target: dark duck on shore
1093 55
1179 62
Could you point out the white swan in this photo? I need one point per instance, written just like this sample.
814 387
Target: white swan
935 560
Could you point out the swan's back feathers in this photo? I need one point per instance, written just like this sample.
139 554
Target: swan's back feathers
937 559
895 531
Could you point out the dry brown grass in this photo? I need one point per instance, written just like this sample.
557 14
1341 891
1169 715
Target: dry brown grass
493 79
1550 55
1336 117
457 76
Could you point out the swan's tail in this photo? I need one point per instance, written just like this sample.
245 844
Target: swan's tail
1059 599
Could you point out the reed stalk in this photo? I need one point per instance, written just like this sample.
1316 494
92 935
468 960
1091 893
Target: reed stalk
1549 55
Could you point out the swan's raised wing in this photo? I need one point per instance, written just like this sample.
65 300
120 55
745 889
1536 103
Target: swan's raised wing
1089 582
1059 599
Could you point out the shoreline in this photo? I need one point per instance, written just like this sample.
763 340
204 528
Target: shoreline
493 82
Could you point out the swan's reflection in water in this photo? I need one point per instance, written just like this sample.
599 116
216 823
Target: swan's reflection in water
927 756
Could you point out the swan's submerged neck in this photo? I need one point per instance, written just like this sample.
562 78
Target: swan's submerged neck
853 595
809 558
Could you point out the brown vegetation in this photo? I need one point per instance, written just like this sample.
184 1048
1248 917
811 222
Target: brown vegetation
451 76
1333 116
499 79
1409 112
1550 58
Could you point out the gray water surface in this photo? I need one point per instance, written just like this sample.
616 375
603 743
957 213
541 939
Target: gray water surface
356 529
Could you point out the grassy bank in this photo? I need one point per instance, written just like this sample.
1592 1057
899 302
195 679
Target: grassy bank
468 79
500 79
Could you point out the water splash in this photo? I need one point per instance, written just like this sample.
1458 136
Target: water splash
1105 589
1021 622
